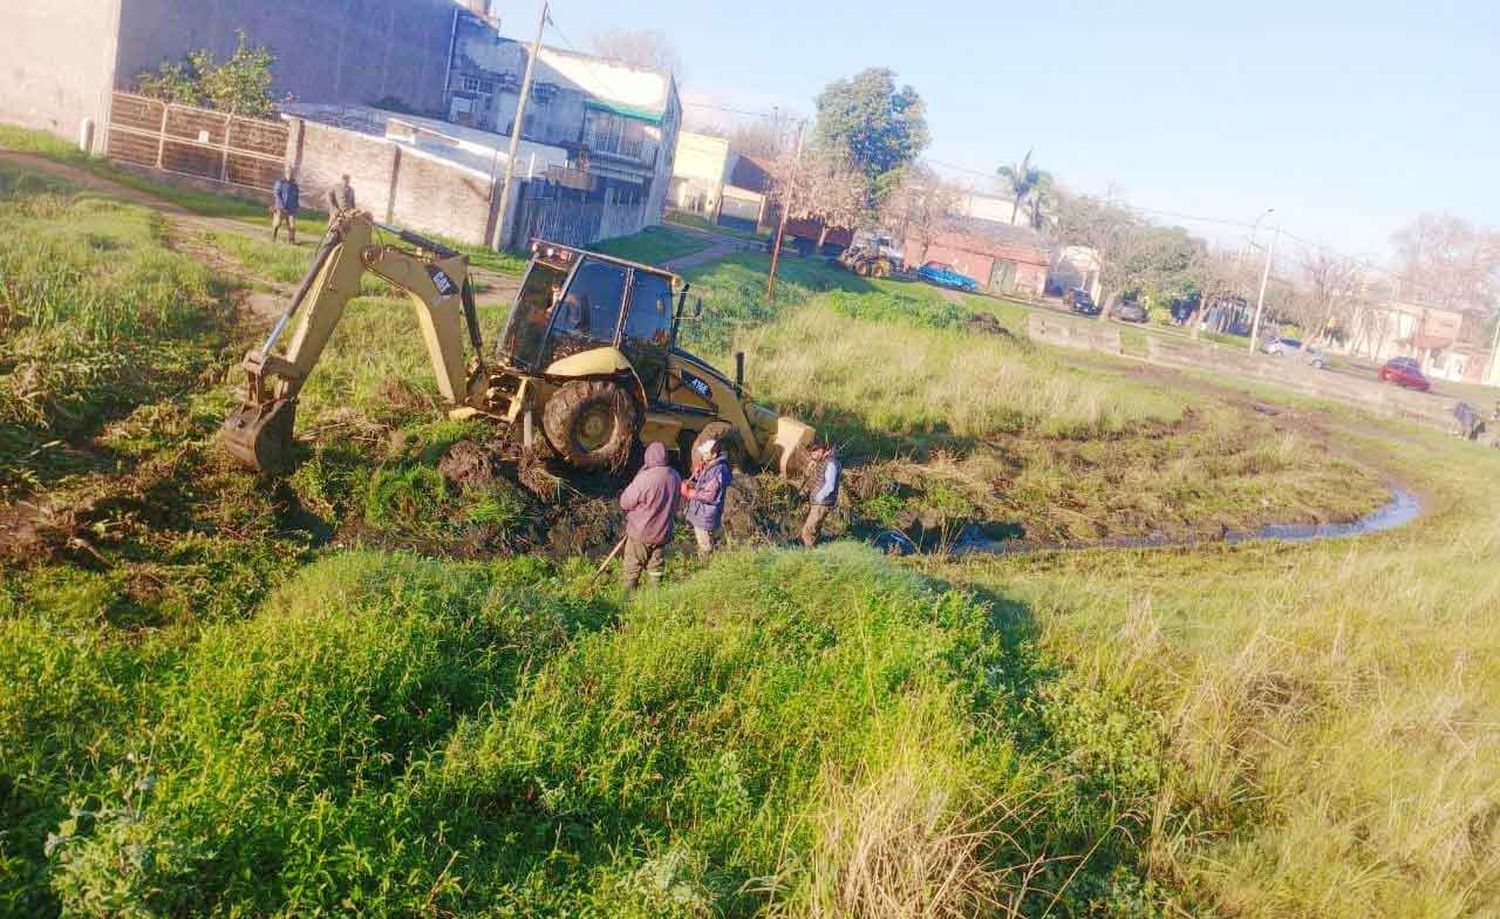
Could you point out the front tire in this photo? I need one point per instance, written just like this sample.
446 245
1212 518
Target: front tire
592 424
725 434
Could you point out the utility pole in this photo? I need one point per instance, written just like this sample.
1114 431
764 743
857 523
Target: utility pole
498 240
1265 275
786 206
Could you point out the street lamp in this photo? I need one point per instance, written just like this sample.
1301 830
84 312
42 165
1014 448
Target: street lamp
1265 275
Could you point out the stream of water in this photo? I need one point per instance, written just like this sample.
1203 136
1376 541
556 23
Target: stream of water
1402 509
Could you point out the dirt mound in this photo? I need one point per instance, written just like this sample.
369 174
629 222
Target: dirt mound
467 463
985 324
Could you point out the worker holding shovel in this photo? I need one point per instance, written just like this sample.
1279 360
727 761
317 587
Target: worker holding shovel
649 503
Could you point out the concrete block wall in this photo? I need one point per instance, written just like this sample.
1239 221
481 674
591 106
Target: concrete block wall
59 64
352 51
1090 336
396 183
431 196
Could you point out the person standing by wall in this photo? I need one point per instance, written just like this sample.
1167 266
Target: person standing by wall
825 490
649 503
341 196
284 195
705 493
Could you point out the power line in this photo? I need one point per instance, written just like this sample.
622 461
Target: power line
735 111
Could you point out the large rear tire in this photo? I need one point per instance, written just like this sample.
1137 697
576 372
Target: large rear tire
592 424
728 438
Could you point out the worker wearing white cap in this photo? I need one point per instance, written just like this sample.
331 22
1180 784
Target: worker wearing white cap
705 492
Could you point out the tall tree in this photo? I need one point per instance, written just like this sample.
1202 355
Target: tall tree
1102 226
876 126
1027 185
648 48
1043 201
1215 275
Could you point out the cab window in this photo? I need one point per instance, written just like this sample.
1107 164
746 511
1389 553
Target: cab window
649 319
591 306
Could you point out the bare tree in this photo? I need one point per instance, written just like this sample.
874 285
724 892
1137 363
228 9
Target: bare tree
1327 296
1216 275
649 48
762 137
820 186
916 209
1445 261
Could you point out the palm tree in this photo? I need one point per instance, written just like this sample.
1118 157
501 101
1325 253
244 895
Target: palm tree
1043 200
1023 179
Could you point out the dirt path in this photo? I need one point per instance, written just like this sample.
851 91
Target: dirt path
85 179
718 247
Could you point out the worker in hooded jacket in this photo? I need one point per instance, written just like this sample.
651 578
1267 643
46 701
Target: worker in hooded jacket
649 503
705 492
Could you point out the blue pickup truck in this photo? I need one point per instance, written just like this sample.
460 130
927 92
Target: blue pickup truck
946 276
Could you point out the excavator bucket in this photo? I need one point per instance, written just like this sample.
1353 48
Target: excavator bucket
261 435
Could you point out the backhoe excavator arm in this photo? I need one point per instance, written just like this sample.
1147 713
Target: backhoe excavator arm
260 431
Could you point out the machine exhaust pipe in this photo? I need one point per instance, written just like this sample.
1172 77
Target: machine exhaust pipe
739 368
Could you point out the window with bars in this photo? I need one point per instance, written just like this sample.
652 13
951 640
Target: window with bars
614 135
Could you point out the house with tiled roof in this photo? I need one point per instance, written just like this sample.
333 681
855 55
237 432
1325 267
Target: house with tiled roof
1004 259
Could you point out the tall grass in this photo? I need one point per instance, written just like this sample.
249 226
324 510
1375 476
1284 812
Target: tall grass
733 293
797 733
97 314
208 204
923 381
1326 714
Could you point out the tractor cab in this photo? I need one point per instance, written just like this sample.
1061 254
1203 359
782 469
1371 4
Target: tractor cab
591 346
573 302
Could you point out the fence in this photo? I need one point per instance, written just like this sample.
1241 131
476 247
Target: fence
570 218
244 152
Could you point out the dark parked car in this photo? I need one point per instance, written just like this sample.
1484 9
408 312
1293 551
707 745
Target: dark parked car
1080 302
1128 310
946 276
1405 371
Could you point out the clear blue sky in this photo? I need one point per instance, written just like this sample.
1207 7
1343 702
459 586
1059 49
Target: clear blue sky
1349 118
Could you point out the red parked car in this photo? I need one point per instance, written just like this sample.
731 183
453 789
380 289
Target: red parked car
1405 371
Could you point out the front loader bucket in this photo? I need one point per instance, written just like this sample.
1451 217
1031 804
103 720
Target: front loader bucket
261 435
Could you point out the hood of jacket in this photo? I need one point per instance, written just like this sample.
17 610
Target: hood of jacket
656 455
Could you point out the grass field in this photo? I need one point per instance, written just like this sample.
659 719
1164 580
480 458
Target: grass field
368 689
653 245
697 222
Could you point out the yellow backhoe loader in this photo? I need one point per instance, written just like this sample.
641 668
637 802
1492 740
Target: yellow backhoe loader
589 350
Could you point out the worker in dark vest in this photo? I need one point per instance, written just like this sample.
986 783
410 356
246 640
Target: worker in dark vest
827 470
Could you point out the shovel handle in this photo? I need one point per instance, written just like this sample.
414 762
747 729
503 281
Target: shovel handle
609 558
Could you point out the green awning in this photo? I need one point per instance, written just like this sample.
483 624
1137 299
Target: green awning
627 111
